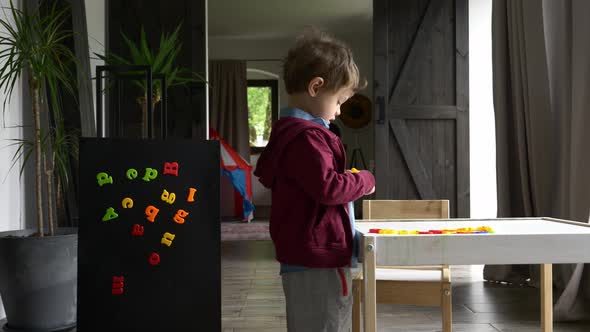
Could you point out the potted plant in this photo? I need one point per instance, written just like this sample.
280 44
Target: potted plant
161 62
38 267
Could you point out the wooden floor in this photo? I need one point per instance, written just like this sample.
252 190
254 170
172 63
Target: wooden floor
252 298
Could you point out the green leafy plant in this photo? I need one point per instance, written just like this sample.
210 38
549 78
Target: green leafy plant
33 44
162 61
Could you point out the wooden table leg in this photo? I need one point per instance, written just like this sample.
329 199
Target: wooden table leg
356 305
369 291
546 297
447 302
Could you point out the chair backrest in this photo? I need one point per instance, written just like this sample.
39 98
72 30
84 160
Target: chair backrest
408 209
405 209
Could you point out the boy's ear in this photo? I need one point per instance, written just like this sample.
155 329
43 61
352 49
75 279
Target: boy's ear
313 88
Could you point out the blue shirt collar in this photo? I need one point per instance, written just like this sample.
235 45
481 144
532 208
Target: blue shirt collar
301 114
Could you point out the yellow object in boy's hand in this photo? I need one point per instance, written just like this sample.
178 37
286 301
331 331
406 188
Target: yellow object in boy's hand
354 170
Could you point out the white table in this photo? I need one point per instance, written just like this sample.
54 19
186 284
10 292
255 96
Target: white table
543 241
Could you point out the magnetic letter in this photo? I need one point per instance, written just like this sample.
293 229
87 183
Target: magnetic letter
131 173
179 217
127 203
118 281
154 259
118 284
191 195
103 178
168 197
110 214
151 213
150 174
137 230
167 239
171 168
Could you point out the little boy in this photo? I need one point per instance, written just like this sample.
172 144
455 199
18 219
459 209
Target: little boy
311 221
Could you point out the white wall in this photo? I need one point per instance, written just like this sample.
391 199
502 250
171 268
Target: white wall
96 25
10 190
482 148
11 194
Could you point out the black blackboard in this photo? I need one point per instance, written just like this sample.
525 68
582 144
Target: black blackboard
132 275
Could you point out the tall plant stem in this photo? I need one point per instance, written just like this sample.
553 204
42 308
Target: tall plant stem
34 90
50 200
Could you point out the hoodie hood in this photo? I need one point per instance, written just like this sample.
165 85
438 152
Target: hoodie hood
283 132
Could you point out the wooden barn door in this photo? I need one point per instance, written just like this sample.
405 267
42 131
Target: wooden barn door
422 101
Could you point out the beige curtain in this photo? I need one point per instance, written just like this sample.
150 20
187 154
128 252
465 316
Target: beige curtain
228 103
541 68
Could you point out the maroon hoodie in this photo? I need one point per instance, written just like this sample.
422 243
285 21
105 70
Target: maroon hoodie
304 165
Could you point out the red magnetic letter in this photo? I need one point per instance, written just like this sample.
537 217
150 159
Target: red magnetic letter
171 168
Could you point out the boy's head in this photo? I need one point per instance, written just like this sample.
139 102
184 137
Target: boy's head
320 74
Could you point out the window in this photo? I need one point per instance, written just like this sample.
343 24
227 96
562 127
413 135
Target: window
262 111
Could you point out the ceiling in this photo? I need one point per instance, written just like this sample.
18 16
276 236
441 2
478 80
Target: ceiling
270 19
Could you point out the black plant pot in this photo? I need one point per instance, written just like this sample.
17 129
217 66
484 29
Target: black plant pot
38 280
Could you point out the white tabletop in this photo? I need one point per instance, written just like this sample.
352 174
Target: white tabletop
514 241
518 226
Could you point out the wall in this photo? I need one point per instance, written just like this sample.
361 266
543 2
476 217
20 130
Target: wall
481 111
11 192
96 25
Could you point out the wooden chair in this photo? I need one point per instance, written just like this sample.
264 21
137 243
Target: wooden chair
415 285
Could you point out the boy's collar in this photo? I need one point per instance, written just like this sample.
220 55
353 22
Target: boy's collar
301 114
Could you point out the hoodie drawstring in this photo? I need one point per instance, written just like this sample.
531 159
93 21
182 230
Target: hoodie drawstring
343 280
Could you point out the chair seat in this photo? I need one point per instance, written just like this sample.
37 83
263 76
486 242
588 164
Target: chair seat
419 275
408 275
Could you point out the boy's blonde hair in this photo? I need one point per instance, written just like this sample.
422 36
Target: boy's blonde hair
317 54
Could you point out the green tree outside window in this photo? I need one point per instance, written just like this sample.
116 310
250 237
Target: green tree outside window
259 114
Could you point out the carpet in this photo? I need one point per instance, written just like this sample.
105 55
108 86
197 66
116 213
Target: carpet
241 231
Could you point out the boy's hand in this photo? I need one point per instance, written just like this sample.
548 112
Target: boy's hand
354 170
